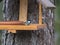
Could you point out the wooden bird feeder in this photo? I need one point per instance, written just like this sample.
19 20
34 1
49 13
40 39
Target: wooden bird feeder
12 26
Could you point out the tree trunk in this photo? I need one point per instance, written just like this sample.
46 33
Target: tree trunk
40 37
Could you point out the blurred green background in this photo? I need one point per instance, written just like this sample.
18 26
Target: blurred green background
57 20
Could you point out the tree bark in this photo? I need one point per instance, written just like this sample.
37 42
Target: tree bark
40 37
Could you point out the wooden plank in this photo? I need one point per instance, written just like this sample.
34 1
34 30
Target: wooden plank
40 13
11 31
12 23
42 26
23 10
19 27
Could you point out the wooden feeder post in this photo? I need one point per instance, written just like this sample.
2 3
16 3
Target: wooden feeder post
20 25
23 10
40 14
12 26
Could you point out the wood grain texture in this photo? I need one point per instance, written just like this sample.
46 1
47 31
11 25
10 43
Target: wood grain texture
21 27
11 23
23 10
40 13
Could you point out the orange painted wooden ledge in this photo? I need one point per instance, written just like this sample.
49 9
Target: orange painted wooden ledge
21 27
11 23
